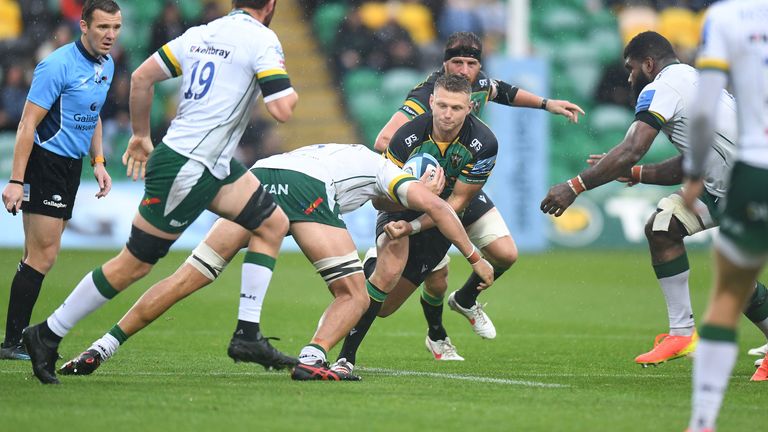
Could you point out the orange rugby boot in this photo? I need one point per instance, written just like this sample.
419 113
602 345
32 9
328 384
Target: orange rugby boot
667 347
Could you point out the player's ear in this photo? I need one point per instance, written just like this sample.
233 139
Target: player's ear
648 64
432 102
83 27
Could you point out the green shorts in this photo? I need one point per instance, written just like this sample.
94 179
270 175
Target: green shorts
177 189
745 218
302 198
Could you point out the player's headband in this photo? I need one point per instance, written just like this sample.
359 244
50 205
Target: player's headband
462 51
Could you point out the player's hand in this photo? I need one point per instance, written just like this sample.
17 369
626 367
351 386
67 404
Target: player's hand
692 189
398 229
484 269
559 198
13 194
566 109
136 156
434 180
103 179
595 159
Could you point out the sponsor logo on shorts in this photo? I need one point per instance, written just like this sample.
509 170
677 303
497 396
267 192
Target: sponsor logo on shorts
177 224
313 206
54 203
149 201
276 189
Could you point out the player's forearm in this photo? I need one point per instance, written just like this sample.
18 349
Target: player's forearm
25 139
140 105
97 146
527 99
450 226
666 173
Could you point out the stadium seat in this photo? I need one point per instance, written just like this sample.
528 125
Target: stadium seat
360 80
326 22
396 83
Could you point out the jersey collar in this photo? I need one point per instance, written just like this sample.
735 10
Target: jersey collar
86 54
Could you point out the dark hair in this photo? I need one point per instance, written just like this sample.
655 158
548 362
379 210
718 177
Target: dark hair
649 44
454 84
255 4
108 6
464 40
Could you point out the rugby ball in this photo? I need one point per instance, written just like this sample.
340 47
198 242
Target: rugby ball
420 163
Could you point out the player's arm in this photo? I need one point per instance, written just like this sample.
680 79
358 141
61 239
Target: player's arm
281 109
442 214
99 163
25 139
666 173
506 94
143 82
615 164
385 134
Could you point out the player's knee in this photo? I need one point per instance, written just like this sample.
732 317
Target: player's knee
147 248
502 258
258 209
207 261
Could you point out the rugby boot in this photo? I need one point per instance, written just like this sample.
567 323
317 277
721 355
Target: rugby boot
320 372
761 374
479 320
84 364
667 347
259 351
13 352
443 349
42 354
759 351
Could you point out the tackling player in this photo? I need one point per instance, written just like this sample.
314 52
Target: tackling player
735 44
225 65
314 185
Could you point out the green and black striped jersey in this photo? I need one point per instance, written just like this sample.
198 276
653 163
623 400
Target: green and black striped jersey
469 158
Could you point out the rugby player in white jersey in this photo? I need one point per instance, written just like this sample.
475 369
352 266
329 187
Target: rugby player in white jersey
665 91
735 44
314 185
225 65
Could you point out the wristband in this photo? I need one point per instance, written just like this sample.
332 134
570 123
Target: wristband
544 103
473 256
98 159
415 226
637 174
18 182
577 185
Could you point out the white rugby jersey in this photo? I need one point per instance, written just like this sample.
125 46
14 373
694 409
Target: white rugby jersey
352 173
669 100
735 40
225 65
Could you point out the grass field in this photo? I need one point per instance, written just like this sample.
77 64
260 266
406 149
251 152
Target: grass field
569 325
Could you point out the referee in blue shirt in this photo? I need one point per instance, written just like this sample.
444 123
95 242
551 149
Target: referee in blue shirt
60 125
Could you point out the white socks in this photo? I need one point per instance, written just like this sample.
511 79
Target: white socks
712 368
678 298
83 300
253 288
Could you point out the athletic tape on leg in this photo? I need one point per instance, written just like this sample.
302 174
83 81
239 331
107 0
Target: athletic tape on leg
335 268
207 261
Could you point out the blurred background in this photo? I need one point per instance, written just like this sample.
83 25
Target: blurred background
353 62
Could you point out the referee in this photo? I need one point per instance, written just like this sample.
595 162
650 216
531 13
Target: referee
59 126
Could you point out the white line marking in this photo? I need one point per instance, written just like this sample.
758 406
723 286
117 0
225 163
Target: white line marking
472 378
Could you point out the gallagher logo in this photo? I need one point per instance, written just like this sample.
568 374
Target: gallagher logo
149 201
94 106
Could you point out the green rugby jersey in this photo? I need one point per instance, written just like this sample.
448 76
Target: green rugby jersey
469 158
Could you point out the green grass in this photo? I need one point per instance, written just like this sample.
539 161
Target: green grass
571 319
